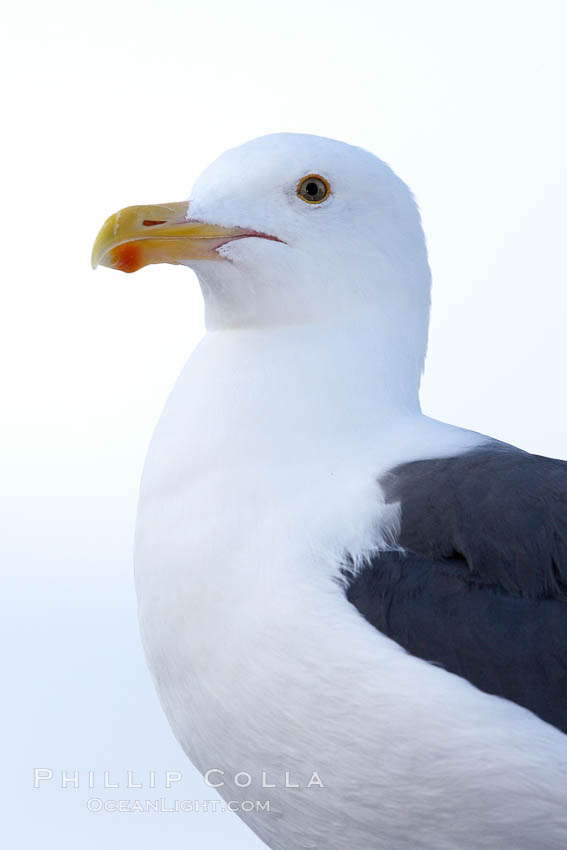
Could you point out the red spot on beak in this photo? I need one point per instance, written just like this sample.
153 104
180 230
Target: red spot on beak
127 257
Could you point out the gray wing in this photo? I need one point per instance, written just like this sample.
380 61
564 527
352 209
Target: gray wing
481 586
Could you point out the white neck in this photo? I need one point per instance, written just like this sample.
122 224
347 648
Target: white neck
329 382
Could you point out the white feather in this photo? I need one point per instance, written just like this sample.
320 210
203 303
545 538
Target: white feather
262 477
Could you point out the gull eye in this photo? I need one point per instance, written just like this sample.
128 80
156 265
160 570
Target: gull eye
313 189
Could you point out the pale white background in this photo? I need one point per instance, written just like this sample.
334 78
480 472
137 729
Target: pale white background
108 104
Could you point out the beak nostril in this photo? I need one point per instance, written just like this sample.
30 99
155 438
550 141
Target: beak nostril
149 223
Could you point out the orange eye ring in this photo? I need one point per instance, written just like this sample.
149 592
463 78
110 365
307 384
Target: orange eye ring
313 189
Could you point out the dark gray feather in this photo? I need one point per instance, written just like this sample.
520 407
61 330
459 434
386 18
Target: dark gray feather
500 509
481 587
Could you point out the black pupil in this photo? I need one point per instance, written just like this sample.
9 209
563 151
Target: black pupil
312 188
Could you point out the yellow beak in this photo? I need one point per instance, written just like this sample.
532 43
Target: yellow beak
163 233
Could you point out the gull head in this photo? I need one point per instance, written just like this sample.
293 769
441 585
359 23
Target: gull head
288 229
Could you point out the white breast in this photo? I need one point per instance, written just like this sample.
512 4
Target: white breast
258 482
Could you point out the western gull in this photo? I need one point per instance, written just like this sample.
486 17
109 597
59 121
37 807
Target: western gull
351 611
